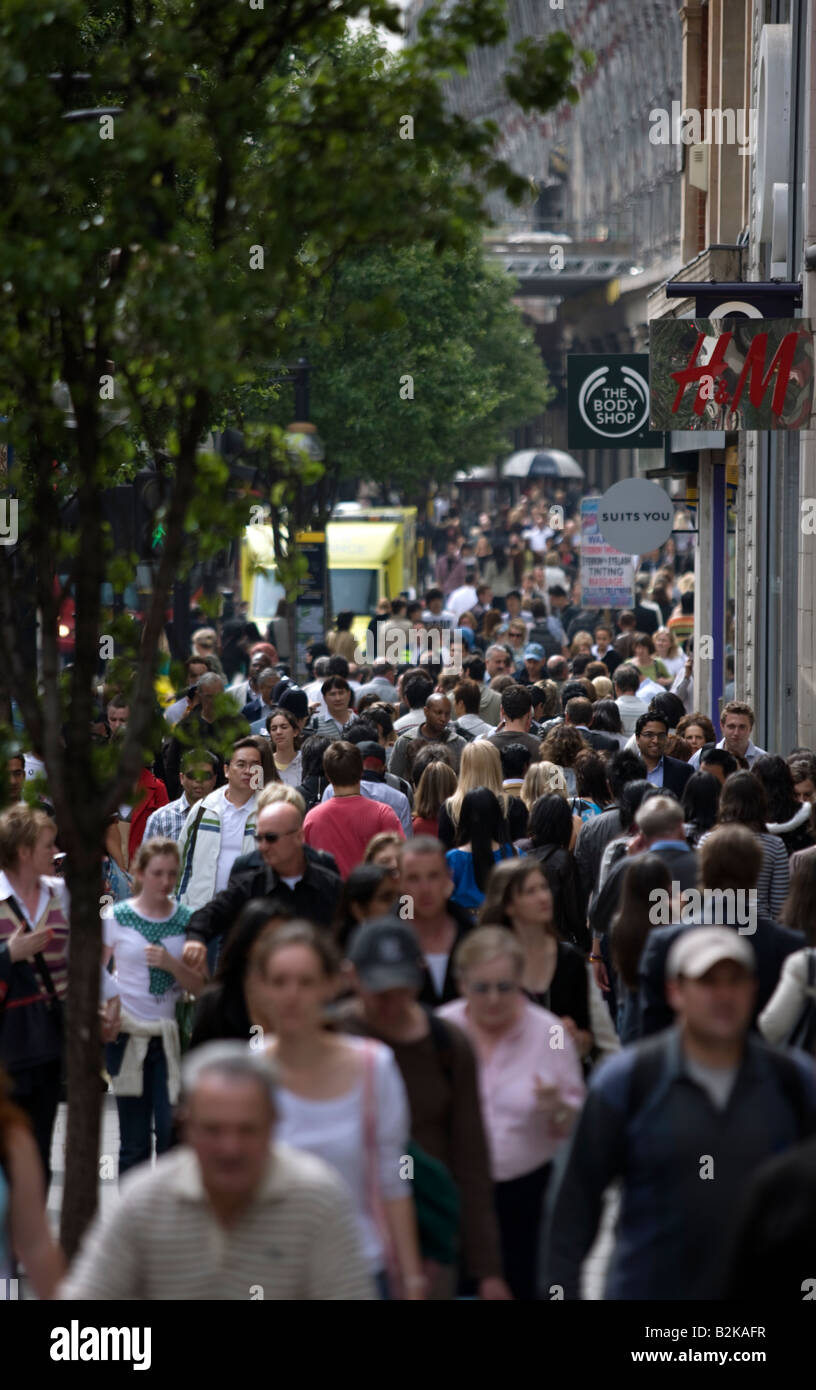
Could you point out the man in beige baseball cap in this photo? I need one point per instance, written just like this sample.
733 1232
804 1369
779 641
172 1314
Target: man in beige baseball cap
683 1119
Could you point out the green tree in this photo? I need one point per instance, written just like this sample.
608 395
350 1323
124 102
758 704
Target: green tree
166 245
422 365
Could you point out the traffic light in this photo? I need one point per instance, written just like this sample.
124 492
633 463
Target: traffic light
150 496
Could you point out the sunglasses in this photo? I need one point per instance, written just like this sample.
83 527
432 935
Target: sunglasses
487 987
271 837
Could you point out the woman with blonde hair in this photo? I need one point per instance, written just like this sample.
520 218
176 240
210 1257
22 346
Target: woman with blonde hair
603 687
668 651
546 779
480 767
581 642
144 936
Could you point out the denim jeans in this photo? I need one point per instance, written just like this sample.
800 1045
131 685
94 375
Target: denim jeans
140 1115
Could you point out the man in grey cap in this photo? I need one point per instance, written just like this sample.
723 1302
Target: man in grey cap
683 1119
439 1070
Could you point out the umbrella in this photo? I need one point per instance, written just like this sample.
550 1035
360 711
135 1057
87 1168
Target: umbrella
541 463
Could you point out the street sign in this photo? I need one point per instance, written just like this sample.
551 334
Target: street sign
737 374
607 577
635 516
608 401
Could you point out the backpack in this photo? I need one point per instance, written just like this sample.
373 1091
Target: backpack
649 1062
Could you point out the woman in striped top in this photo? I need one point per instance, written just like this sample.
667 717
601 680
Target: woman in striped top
33 966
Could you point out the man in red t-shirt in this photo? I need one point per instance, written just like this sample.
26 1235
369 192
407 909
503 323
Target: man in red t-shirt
345 824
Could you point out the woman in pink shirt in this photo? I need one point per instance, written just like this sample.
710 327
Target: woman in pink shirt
530 1084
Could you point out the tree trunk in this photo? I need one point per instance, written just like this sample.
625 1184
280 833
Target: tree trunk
83 1050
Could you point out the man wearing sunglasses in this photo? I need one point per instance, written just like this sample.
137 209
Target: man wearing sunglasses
310 889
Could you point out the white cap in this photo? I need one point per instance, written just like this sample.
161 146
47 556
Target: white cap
696 951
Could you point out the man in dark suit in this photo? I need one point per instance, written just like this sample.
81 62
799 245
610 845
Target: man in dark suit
578 713
730 863
660 823
651 732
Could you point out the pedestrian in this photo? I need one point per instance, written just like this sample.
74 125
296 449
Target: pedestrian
743 802
435 727
385 849
344 824
426 886
221 1009
275 1221
788 817
370 891
530 1090
481 767
24 1233
144 940
222 825
790 1013
436 785
339 698
341 641
199 771
341 1099
481 841
630 927
701 800
284 731
654 1118
697 729
34 919
439 1071
550 831
651 735
286 871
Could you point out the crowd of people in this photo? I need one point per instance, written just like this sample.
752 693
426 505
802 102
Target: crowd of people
406 968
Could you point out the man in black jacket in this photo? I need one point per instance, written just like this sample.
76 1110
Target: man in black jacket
578 713
660 822
730 863
651 732
308 888
595 834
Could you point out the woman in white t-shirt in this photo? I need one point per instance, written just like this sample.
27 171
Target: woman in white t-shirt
340 1097
144 937
284 731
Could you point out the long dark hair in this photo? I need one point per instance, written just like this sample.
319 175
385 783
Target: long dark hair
631 924
481 822
743 799
799 907
701 799
550 822
360 887
775 775
242 937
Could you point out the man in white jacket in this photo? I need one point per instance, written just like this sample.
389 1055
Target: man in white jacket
222 825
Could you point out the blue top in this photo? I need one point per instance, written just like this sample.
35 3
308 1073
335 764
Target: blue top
466 890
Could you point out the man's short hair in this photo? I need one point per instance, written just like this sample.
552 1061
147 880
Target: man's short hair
382 667
659 815
416 691
343 763
516 701
236 1063
626 679
515 759
335 683
481 588
423 844
433 594
573 690
650 717
474 667
737 707
627 617
720 757
362 732
578 711
731 857
624 767
198 757
338 666
468 693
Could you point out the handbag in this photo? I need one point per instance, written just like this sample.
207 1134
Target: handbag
803 1033
438 1207
185 1014
52 1002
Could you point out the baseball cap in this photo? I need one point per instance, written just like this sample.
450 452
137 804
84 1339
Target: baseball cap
534 652
386 955
296 701
696 951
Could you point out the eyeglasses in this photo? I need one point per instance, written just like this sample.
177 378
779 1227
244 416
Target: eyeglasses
487 987
271 837
660 738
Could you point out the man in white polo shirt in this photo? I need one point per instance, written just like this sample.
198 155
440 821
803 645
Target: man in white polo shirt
230 1214
736 722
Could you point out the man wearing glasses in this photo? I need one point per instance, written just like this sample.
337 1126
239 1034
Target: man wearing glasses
199 770
651 732
286 873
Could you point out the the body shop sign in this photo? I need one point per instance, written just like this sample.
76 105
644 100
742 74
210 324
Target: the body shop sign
608 401
750 374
